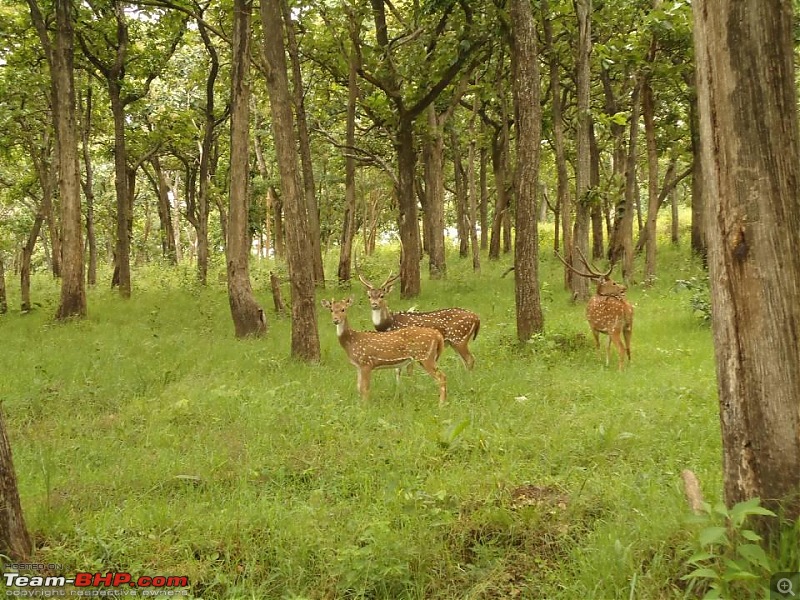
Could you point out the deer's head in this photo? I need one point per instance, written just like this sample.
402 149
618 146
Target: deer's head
378 294
338 309
605 285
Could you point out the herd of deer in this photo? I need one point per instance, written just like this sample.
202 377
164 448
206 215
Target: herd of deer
403 338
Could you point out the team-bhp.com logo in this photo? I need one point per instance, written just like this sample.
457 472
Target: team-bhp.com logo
88 584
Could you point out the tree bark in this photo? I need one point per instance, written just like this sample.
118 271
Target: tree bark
433 158
751 164
3 300
88 191
304 143
305 337
14 539
460 196
349 217
25 263
167 232
583 8
525 66
248 317
563 204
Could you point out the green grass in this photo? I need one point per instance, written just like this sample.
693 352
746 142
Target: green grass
146 438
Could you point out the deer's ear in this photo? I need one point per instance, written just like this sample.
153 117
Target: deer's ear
325 303
349 302
388 288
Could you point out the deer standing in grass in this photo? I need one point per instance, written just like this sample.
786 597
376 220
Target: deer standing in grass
457 326
608 311
370 350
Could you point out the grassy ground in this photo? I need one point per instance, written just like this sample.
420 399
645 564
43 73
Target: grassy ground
148 439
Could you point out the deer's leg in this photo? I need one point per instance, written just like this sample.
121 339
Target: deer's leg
616 337
463 351
363 381
429 364
628 332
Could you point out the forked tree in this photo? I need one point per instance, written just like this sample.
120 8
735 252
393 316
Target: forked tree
751 164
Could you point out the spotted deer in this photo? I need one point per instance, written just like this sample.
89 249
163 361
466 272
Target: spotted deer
457 326
608 311
370 350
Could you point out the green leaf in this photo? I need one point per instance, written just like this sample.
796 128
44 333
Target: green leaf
751 535
749 507
754 554
700 557
713 535
703 573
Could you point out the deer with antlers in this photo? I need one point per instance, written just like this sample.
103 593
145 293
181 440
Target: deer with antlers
608 311
457 326
370 350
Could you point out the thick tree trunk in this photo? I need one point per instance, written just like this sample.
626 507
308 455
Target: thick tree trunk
15 542
304 143
305 337
73 291
525 66
751 166
675 228
433 157
248 317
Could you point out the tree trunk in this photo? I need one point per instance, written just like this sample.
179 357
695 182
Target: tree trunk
596 214
248 317
349 217
305 337
525 66
88 191
472 189
166 230
460 196
483 208
15 542
122 254
675 228
25 263
751 163
580 285
648 112
499 166
563 203
407 203
210 121
698 232
622 245
73 291
309 189
433 157
3 300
